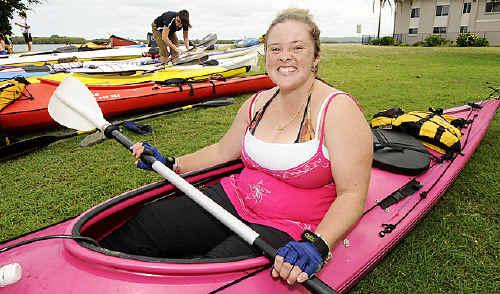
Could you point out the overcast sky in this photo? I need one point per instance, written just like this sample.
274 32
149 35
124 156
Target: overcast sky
229 19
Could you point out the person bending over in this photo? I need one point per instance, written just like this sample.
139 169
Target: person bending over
164 29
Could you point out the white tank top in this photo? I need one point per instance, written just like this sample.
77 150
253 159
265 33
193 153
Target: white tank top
283 156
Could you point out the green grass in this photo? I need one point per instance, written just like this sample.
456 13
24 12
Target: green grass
453 250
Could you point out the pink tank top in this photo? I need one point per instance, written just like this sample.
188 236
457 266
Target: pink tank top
292 199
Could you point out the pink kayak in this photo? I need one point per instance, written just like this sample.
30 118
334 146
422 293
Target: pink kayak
78 265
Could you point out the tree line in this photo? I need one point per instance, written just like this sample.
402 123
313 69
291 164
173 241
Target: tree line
54 39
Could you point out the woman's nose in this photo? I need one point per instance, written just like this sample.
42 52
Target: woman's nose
285 55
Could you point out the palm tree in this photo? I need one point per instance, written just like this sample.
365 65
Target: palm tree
382 4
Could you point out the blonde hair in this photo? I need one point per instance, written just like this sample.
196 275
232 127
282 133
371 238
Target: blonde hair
300 15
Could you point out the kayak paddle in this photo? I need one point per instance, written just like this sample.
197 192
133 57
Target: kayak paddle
99 137
26 146
185 59
17 149
73 105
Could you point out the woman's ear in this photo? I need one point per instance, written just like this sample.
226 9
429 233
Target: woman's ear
315 64
316 61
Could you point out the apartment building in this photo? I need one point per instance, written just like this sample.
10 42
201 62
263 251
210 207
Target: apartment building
417 19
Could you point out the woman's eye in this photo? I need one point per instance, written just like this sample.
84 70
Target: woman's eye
275 49
298 49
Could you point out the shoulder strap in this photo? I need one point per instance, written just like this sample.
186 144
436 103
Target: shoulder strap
255 120
303 121
322 115
324 109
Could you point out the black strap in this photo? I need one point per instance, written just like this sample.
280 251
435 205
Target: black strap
318 242
191 89
475 105
392 113
173 82
439 132
438 111
5 86
303 118
213 86
421 121
258 115
408 189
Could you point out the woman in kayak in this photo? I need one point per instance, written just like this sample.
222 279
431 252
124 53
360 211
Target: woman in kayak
307 153
164 29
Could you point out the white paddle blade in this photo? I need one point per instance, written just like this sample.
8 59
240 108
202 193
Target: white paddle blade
74 106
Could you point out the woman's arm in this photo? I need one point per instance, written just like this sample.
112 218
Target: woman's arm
228 148
185 34
349 141
164 36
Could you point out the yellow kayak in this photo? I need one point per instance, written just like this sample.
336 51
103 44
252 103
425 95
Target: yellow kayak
157 76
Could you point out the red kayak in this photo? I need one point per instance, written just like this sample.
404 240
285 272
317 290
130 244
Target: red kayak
119 41
29 113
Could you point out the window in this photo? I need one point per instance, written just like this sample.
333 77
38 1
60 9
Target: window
464 29
439 30
415 12
442 10
467 7
413 31
493 6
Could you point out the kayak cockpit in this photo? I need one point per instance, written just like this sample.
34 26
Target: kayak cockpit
100 221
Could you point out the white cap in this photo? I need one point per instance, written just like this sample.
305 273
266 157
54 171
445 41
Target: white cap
10 274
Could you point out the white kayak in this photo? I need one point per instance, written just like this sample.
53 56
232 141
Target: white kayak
105 54
148 64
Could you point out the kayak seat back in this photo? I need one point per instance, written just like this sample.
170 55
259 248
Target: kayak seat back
399 152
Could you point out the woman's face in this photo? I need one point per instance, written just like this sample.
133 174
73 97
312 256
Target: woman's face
290 54
178 22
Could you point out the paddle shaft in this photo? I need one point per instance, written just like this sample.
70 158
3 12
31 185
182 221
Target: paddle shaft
17 149
314 284
164 64
210 103
98 137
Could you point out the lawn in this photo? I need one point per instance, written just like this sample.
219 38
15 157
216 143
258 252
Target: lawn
453 250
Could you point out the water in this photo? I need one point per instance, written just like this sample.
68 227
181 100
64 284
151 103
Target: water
36 47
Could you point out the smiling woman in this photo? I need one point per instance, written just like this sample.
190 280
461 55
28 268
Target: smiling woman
292 57
302 186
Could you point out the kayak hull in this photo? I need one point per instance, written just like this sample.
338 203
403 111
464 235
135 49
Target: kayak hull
63 266
119 41
29 115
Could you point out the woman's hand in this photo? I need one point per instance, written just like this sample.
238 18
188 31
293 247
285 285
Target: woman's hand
178 50
297 261
137 149
142 147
